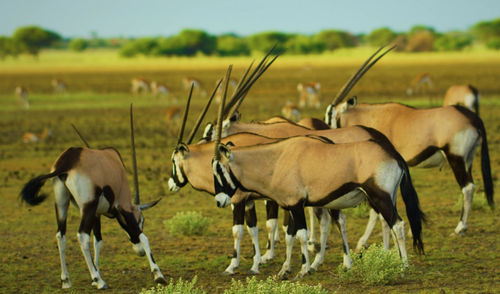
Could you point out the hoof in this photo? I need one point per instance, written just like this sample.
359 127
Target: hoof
161 280
284 276
226 273
252 272
103 287
312 270
65 284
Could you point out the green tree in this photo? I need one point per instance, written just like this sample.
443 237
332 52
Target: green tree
301 44
32 38
452 41
231 45
194 41
333 39
486 30
493 43
380 37
262 42
78 45
8 47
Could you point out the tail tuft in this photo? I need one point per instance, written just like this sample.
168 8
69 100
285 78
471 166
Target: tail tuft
30 191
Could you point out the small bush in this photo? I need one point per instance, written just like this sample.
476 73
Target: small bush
187 223
479 202
374 266
181 287
271 286
360 211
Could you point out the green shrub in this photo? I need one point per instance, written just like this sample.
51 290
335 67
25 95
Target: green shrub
374 266
479 202
360 211
181 287
272 286
187 223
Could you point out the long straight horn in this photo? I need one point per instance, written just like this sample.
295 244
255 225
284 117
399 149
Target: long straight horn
81 137
181 131
219 116
202 114
134 160
233 100
358 74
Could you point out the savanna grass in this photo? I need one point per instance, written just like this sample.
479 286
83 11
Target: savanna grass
179 287
187 223
272 286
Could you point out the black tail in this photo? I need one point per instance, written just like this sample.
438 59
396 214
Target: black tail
476 101
30 191
485 166
413 212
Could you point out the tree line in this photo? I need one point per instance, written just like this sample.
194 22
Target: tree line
190 42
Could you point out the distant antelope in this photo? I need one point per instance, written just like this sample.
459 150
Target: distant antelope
309 94
140 85
159 89
22 94
29 137
465 95
420 84
58 85
96 182
291 111
424 137
197 85
173 116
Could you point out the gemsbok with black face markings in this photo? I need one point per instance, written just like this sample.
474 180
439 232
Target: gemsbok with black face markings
465 95
424 137
96 182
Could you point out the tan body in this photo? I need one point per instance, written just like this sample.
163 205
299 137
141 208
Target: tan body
140 85
22 94
420 84
196 83
465 95
34 138
309 94
159 89
58 86
172 115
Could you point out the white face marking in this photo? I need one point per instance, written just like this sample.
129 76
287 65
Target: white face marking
172 186
331 116
208 131
223 200
178 171
224 172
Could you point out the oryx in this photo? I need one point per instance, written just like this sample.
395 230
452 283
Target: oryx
312 171
96 182
465 95
424 137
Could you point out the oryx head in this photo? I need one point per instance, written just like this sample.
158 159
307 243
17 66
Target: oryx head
334 111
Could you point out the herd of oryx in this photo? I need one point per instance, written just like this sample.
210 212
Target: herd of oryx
360 152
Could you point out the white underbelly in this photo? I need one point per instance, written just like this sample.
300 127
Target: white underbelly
351 199
102 205
437 159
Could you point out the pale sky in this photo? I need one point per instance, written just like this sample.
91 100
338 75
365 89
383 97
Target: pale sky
135 18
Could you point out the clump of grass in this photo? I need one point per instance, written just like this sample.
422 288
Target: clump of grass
187 223
375 266
181 286
272 286
479 202
360 211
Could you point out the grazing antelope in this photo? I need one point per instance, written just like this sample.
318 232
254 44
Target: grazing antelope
197 84
140 85
159 89
309 94
286 172
58 85
96 182
22 94
465 95
420 84
291 111
29 137
424 137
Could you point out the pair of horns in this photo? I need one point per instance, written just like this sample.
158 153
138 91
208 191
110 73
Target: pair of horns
219 115
244 85
359 74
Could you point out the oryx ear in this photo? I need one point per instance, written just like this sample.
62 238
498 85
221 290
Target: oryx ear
235 116
230 144
143 207
225 151
183 148
350 103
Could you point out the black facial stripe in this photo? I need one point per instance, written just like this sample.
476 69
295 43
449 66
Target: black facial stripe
175 178
225 187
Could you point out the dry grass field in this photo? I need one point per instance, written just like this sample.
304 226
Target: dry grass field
97 102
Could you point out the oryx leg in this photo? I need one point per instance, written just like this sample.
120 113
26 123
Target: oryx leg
238 229
386 233
62 198
140 242
299 219
340 221
289 224
272 230
324 227
464 179
97 241
312 243
398 234
88 212
251 219
372 221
